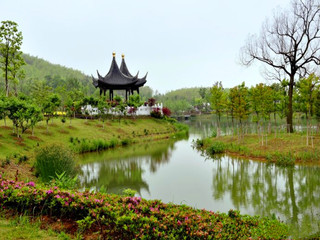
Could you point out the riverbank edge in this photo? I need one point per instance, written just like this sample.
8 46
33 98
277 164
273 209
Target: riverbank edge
21 154
284 149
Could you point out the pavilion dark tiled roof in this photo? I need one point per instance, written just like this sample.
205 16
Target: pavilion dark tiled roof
118 79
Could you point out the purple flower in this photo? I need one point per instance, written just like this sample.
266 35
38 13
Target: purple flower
50 191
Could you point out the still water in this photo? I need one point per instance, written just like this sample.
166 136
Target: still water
174 171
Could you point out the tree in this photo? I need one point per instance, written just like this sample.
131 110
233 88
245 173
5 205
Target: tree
49 106
306 88
218 102
73 103
10 54
317 107
261 100
134 102
103 106
35 116
239 103
3 108
289 46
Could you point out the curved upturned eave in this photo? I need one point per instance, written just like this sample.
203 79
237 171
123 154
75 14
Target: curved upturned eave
94 82
141 81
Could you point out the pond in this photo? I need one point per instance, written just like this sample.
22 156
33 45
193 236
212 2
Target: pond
174 171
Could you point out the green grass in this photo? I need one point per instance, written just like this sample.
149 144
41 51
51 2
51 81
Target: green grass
21 227
127 131
283 149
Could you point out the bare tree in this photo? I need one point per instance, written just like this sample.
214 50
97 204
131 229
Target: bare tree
289 45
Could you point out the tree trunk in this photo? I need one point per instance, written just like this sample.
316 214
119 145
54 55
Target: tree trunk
290 110
6 74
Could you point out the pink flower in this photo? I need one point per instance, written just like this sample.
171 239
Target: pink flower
31 184
57 196
50 191
179 223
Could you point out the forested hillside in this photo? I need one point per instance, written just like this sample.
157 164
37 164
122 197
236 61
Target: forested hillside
184 99
54 75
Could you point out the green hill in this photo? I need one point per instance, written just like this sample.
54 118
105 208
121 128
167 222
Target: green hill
38 71
184 99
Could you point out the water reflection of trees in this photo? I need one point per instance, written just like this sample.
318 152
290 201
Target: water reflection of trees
293 193
123 168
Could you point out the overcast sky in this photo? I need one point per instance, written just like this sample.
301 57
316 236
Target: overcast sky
180 43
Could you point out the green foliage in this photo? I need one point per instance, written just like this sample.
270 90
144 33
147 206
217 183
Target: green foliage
307 93
129 217
156 113
10 54
58 78
52 161
135 101
216 147
129 192
23 113
181 100
214 133
239 102
317 105
63 181
87 145
282 159
218 99
261 101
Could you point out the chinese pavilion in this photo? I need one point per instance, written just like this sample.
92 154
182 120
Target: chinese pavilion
118 79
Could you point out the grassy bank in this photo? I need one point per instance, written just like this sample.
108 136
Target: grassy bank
108 216
282 149
17 154
82 134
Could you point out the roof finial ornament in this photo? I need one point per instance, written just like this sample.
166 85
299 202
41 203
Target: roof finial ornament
114 54
122 56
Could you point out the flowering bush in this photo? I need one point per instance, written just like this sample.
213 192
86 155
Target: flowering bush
156 113
166 111
151 102
120 217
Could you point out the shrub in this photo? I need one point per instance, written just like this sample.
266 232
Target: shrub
23 158
214 133
151 102
156 113
216 147
52 160
125 142
166 112
129 217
